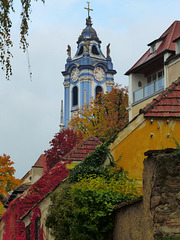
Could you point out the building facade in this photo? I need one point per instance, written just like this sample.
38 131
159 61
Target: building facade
155 128
155 70
87 73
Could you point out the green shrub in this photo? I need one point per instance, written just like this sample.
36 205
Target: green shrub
84 210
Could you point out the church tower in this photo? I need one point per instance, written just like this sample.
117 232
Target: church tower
87 73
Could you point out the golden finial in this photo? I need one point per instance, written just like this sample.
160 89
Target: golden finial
88 8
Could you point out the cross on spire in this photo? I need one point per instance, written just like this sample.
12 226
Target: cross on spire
88 8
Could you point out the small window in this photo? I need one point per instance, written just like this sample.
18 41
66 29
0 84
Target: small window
160 74
154 77
28 232
80 51
94 50
98 90
149 79
153 48
75 96
179 47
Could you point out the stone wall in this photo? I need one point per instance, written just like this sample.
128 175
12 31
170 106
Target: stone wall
129 223
165 196
157 215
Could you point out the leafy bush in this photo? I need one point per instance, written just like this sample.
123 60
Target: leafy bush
84 210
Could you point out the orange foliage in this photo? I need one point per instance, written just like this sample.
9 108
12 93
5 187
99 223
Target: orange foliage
7 181
103 117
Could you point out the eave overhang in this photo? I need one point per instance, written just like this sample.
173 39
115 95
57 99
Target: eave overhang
149 64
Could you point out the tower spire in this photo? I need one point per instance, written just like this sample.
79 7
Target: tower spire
62 117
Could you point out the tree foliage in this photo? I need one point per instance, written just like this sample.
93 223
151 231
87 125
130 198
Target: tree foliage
104 116
61 144
1 208
6 10
7 180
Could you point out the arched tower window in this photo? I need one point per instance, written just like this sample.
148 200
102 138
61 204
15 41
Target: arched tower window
98 90
80 51
94 50
75 96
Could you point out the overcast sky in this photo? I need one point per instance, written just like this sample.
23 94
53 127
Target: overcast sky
30 110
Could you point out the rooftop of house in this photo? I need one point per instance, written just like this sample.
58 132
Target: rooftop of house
166 104
87 146
167 44
19 190
41 162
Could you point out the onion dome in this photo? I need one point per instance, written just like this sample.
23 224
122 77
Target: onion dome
88 33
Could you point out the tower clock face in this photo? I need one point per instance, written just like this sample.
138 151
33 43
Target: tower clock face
99 74
74 74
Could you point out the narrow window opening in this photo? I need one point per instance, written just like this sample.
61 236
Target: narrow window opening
75 96
98 90
153 48
80 51
94 50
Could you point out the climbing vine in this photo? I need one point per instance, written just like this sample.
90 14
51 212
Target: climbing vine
36 215
61 144
14 228
93 163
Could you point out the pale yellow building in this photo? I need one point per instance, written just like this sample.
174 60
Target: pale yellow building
155 70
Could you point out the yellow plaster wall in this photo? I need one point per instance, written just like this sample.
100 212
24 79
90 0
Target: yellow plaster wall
136 108
137 138
173 72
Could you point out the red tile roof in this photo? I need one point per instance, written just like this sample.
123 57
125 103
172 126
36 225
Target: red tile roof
76 154
166 104
167 38
83 149
41 162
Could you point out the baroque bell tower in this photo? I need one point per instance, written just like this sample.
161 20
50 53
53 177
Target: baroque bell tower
87 73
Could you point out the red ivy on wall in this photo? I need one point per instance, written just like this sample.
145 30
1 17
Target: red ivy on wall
14 228
36 214
61 144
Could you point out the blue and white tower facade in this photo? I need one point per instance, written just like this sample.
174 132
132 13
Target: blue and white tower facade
87 73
